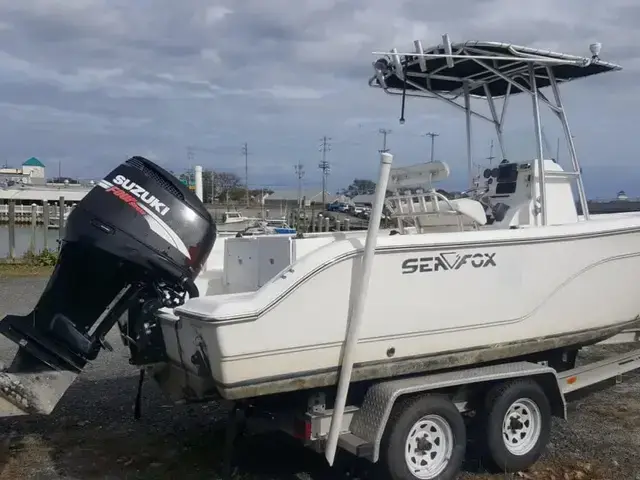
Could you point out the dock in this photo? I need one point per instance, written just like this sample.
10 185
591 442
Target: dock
30 200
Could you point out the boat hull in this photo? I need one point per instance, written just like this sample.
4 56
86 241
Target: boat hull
185 384
460 300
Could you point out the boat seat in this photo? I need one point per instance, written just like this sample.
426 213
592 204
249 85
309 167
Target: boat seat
470 208
430 214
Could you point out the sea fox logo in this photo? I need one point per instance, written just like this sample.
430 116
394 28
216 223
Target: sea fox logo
139 192
448 261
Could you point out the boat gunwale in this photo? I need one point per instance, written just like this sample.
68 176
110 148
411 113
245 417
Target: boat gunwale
206 319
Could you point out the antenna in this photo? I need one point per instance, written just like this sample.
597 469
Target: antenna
299 169
433 136
245 152
547 145
384 132
325 147
490 157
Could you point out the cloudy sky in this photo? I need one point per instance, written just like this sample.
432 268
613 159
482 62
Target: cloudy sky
86 83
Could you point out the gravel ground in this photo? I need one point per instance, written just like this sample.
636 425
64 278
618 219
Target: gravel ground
92 433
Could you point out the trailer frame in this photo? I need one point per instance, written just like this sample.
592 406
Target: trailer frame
364 425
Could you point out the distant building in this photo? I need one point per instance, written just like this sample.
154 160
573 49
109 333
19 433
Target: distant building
32 172
289 198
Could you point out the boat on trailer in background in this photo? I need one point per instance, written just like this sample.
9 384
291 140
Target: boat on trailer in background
469 305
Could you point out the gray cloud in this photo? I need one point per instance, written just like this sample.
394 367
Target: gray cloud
88 82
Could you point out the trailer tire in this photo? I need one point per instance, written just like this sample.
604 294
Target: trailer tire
432 424
516 424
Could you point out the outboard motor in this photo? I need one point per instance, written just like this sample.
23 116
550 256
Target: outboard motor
137 240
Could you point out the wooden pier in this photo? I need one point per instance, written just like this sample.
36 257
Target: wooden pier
47 214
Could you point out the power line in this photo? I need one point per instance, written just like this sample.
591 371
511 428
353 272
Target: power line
325 147
299 169
433 136
384 133
245 152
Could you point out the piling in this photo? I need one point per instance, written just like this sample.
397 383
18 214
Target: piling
60 220
45 221
34 227
12 229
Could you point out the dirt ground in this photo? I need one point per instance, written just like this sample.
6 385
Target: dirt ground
92 433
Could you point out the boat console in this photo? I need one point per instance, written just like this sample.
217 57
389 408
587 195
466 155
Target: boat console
509 198
511 194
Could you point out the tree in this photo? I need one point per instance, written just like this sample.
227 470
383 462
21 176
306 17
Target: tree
360 187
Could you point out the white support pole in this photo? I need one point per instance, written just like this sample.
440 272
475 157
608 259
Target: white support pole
467 110
356 320
538 128
572 147
198 179
496 120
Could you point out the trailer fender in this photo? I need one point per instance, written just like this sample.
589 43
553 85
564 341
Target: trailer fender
370 421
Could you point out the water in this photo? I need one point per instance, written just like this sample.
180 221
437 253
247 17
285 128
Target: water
23 239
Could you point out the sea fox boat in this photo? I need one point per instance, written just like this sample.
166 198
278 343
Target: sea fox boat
509 272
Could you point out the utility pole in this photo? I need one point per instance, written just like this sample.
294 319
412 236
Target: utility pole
325 147
213 185
433 136
191 179
245 152
490 157
299 169
384 133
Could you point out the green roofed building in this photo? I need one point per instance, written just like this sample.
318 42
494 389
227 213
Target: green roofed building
33 169
33 162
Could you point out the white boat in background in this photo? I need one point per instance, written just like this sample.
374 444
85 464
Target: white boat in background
269 227
234 221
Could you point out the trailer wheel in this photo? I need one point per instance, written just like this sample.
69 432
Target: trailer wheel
425 439
517 425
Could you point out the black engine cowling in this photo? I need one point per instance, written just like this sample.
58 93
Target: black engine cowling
139 237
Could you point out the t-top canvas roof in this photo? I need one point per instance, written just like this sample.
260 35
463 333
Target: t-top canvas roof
480 63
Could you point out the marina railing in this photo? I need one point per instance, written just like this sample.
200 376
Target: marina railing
47 215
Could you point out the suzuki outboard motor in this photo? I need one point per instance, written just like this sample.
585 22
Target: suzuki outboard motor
137 241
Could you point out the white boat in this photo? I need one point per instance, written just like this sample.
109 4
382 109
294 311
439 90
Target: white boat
470 305
236 222
458 287
270 227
